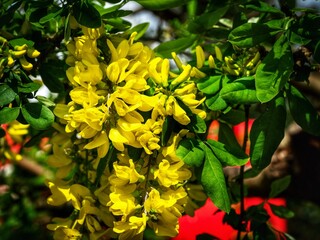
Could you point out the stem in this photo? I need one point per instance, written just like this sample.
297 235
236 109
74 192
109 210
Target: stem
241 175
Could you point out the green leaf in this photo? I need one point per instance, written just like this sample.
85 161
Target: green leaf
303 113
7 95
50 16
117 14
166 48
38 116
197 124
241 91
228 155
167 129
227 137
279 185
86 14
8 115
216 103
20 42
161 4
52 74
67 29
190 152
207 20
140 29
104 162
281 211
29 87
213 181
211 84
250 34
274 71
263 7
266 133
45 101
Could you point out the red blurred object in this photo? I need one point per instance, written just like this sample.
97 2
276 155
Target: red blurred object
208 219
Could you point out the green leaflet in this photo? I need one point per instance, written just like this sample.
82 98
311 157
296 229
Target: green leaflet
190 152
250 34
261 6
266 133
52 74
279 185
140 29
167 129
7 94
241 91
211 84
302 111
228 155
86 14
281 211
161 4
274 71
207 20
213 181
38 116
8 115
166 48
29 87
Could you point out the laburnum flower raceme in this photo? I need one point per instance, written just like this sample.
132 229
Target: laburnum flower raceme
115 160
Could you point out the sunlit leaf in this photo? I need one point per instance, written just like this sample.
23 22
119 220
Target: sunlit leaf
8 115
38 116
190 152
228 155
250 34
274 71
166 48
241 91
213 180
7 95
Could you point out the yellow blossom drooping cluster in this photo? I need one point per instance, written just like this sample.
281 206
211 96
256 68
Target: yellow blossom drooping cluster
113 162
9 55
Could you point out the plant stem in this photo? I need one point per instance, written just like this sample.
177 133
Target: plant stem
241 175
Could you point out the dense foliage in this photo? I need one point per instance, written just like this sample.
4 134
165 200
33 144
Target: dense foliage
128 124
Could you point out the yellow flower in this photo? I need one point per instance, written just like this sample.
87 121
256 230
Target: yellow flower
85 96
16 130
122 204
200 56
133 229
63 233
159 70
164 212
171 174
127 173
87 71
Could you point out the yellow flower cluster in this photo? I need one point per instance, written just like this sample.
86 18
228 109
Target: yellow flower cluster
9 55
120 100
